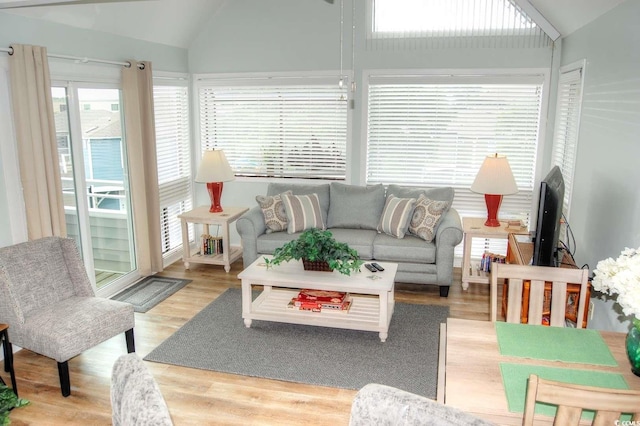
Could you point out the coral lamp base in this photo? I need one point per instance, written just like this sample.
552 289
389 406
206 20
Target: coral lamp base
215 192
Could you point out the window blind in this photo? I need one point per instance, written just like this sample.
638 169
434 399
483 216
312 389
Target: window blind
436 131
428 24
171 105
277 127
567 126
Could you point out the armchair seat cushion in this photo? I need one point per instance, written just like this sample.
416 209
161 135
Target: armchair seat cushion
69 327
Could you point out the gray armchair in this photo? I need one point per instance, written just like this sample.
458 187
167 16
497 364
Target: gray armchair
382 405
48 301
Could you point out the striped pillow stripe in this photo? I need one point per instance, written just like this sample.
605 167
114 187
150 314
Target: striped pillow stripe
396 215
303 212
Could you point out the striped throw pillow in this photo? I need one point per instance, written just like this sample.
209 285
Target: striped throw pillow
303 212
396 215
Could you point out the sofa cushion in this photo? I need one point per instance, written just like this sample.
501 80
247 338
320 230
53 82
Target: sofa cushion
360 240
426 217
354 206
275 215
303 212
267 243
301 189
445 193
395 216
408 249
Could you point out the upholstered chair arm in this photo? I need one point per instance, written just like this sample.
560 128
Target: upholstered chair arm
250 226
382 405
75 266
448 236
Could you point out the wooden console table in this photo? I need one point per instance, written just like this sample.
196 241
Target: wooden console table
520 252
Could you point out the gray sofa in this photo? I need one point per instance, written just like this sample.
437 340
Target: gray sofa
352 214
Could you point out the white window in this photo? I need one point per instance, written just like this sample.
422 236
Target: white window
433 131
282 127
466 23
171 104
567 125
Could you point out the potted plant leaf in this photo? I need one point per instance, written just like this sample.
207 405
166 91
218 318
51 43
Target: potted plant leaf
8 401
318 251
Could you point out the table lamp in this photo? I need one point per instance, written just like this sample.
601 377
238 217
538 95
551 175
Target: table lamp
214 169
494 179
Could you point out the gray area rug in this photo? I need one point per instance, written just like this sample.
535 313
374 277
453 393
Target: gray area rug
150 291
216 339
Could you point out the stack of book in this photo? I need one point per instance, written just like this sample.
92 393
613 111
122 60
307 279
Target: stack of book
210 245
488 258
319 300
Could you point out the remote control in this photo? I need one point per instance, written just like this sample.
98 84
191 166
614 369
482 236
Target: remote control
378 267
370 267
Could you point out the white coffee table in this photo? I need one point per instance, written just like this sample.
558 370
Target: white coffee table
371 294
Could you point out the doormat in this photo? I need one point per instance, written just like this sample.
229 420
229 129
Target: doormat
150 291
216 339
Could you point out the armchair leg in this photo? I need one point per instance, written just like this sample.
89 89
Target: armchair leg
63 372
131 344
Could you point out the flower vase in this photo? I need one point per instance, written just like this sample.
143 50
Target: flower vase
633 347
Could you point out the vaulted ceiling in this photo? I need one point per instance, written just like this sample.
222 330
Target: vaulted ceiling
177 22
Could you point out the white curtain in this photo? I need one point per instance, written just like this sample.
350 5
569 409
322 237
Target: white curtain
36 137
140 139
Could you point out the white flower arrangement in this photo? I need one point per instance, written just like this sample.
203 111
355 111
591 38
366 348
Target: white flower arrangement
621 277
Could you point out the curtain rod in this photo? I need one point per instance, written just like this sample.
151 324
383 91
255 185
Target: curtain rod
83 60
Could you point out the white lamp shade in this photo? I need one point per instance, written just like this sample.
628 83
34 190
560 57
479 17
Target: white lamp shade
495 177
214 167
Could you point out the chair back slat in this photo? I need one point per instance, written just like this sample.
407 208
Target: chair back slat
536 301
514 305
558 303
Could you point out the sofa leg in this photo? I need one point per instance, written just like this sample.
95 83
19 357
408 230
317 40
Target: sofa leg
63 372
444 291
131 344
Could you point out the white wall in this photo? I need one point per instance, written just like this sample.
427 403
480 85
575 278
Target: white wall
605 210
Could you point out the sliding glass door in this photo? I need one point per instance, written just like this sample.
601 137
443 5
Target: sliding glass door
93 165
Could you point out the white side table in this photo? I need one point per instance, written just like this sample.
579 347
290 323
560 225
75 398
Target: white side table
223 219
473 227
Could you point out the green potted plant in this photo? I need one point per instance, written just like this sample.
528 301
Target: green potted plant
8 401
315 248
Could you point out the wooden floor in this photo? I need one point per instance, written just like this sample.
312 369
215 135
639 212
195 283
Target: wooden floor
197 397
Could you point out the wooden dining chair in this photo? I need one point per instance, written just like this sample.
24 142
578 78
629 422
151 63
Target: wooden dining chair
538 277
608 404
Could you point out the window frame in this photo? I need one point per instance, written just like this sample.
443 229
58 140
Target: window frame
174 79
497 246
561 159
204 80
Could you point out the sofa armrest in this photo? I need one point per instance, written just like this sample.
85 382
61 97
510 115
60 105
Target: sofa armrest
448 236
376 404
250 226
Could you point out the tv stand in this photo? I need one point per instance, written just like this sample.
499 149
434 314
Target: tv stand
520 252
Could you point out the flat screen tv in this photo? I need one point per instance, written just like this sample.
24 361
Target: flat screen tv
547 233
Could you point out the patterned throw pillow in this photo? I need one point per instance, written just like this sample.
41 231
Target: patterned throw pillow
275 216
395 216
426 217
303 212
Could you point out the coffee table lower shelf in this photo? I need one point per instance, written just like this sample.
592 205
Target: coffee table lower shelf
364 313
